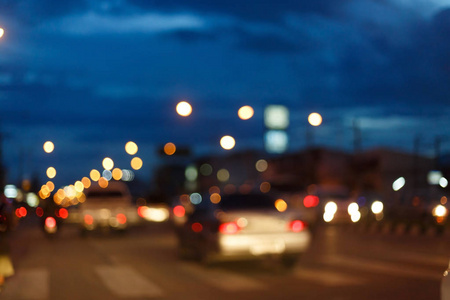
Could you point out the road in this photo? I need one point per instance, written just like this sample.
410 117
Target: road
343 262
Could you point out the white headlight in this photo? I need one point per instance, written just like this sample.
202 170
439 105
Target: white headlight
331 208
440 211
353 208
377 207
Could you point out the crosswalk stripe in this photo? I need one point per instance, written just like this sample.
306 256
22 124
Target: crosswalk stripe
28 284
221 279
327 278
381 267
124 281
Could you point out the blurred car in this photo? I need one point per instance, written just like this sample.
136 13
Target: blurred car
241 227
445 284
340 208
109 207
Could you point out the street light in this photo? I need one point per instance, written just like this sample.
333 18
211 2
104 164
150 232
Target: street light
184 109
2 32
315 119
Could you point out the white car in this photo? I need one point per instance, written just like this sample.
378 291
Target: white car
242 226
109 207
445 284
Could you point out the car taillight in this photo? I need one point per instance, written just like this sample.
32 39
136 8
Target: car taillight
50 222
88 219
229 228
297 225
121 218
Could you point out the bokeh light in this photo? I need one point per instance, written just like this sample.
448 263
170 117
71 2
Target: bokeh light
227 142
108 163
223 175
315 119
49 147
50 185
170 148
215 198
86 182
117 174
261 165
95 175
136 163
103 183
265 187
51 172
245 112
184 108
79 186
2 32
131 148
206 169
280 205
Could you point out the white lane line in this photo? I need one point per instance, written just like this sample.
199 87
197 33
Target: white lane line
123 281
382 267
328 278
221 279
28 284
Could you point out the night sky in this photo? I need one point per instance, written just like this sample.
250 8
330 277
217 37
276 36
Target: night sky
92 75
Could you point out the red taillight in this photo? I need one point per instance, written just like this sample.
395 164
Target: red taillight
121 218
21 212
50 222
63 213
297 225
229 228
141 211
311 201
39 211
88 219
179 211
197 227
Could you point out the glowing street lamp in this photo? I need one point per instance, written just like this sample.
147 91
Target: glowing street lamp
131 148
227 142
184 109
245 112
51 172
315 119
2 32
108 163
49 147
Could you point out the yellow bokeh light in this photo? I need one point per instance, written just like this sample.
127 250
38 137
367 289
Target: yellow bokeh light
315 119
79 186
280 205
131 148
51 172
245 112
136 163
103 182
108 163
86 182
215 198
227 142
2 32
95 175
50 185
170 148
49 147
117 174
184 109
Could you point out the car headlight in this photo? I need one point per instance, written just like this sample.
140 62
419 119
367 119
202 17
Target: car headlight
440 211
331 208
377 207
353 208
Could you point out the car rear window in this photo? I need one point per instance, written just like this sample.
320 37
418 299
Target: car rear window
105 194
235 202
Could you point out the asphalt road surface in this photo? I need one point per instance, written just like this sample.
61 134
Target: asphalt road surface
343 262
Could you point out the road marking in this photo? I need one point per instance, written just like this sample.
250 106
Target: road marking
327 278
221 279
28 284
124 281
381 267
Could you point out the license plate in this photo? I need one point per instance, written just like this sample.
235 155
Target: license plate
267 248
